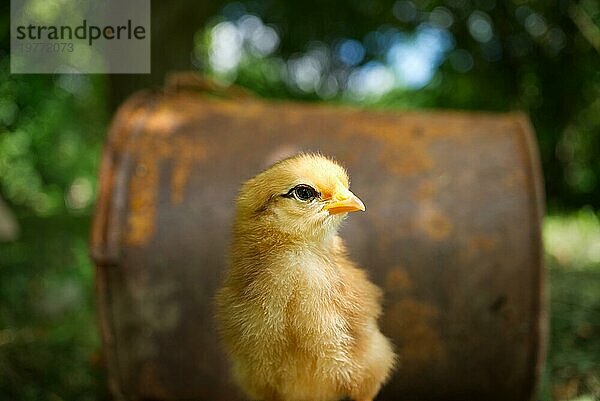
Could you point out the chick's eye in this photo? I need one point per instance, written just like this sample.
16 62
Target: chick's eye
304 192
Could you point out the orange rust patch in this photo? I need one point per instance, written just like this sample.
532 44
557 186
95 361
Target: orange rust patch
419 342
477 246
142 202
411 322
397 280
403 155
150 149
434 222
426 190
126 121
406 150
484 242
163 121
188 153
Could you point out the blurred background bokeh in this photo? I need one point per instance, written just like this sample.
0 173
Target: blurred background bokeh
540 57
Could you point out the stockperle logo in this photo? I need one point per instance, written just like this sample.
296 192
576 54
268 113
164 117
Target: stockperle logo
80 36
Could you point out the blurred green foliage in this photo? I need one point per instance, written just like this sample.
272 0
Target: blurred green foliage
50 137
49 340
51 133
536 56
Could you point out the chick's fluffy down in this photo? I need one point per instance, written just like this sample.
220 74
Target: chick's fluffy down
297 318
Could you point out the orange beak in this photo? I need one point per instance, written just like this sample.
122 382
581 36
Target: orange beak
344 202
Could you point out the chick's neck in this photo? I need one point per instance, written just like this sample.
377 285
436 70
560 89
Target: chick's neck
260 242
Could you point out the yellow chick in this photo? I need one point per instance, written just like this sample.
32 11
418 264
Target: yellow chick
297 318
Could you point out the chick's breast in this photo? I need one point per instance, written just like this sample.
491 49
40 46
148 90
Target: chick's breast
309 330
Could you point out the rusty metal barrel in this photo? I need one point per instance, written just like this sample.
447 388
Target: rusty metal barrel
451 234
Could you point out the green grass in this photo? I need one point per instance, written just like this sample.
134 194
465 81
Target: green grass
50 348
49 342
573 257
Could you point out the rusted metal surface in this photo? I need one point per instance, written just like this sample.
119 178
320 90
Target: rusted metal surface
451 233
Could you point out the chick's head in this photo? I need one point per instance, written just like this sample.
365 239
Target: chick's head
305 196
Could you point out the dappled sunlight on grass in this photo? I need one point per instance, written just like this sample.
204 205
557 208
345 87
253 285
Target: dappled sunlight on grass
573 242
